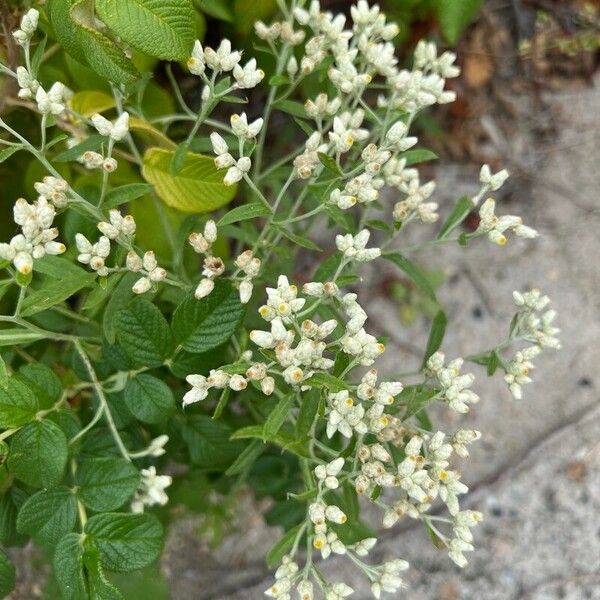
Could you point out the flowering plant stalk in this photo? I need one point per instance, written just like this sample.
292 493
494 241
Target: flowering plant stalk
208 363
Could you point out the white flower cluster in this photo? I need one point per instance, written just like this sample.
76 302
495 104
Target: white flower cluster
354 247
115 131
37 237
454 386
148 267
54 190
533 324
495 227
214 266
151 491
244 131
223 60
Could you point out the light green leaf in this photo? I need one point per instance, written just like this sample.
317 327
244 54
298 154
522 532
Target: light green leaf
436 335
38 454
126 193
299 240
308 412
126 542
66 31
247 458
219 9
106 483
144 333
291 107
18 404
103 55
14 336
329 163
277 417
413 271
243 213
149 399
201 325
282 547
93 142
54 292
7 575
6 153
160 28
325 380
88 102
3 374
197 188
68 567
48 515
43 382
418 155
459 213
57 267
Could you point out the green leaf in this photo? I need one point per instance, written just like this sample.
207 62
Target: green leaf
327 381
277 417
219 9
459 213
415 397
103 55
48 515
38 454
413 271
43 382
149 399
243 213
144 333
18 404
247 458
100 587
160 28
68 567
282 547
89 102
126 542
10 503
297 239
436 335
307 414
66 31
201 325
291 107
17 337
454 16
126 193
106 483
418 155
6 153
93 142
209 443
197 188
7 575
278 80
3 374
329 163
118 300
54 292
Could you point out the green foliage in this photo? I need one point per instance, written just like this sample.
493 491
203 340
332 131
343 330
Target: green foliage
453 16
149 399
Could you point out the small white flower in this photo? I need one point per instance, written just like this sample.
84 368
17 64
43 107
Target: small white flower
151 491
196 63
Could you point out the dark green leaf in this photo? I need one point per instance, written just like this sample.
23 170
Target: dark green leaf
291 107
454 16
7 575
6 153
413 271
436 335
18 404
247 458
126 193
299 240
48 515
149 399
329 163
43 382
118 300
144 333
325 380
201 325
244 212
68 567
459 213
277 417
282 547
93 142
307 414
106 483
418 155
38 454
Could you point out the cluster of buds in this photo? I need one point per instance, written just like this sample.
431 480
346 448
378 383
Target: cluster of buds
52 102
28 85
115 131
306 163
248 264
492 181
347 130
147 266
462 542
151 491
353 247
29 23
37 237
95 254
216 379
285 576
94 160
495 227
213 266
414 203
454 386
518 369
117 225
279 30
397 137
53 189
535 325
322 106
236 169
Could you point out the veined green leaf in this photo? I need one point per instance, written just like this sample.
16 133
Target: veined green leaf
54 292
126 542
7 575
68 567
88 102
106 483
13 336
198 187
148 398
93 142
126 193
3 374
18 404
160 28
243 213
325 380
299 240
48 515
43 382
201 325
38 454
277 417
